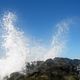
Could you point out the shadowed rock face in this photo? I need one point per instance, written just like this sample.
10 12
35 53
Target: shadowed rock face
51 69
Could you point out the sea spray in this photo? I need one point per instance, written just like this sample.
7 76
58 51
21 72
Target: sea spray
14 45
59 40
19 49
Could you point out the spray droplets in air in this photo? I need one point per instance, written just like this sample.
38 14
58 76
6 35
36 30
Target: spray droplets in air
15 46
18 48
59 40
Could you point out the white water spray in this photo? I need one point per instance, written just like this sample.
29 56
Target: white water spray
15 47
59 40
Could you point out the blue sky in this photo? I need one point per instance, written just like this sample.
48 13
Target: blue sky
38 18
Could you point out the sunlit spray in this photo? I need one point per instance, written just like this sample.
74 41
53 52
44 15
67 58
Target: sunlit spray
19 49
14 45
59 40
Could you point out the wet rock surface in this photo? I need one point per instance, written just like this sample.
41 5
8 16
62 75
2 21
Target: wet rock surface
51 69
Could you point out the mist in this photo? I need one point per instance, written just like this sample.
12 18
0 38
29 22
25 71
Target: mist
18 49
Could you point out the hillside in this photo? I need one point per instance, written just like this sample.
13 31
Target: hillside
51 69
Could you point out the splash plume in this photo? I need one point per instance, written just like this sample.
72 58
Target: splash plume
15 47
59 40
18 49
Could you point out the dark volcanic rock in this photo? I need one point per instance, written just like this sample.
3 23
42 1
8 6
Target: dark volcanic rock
51 69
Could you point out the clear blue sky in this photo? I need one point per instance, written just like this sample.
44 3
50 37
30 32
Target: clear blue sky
39 17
